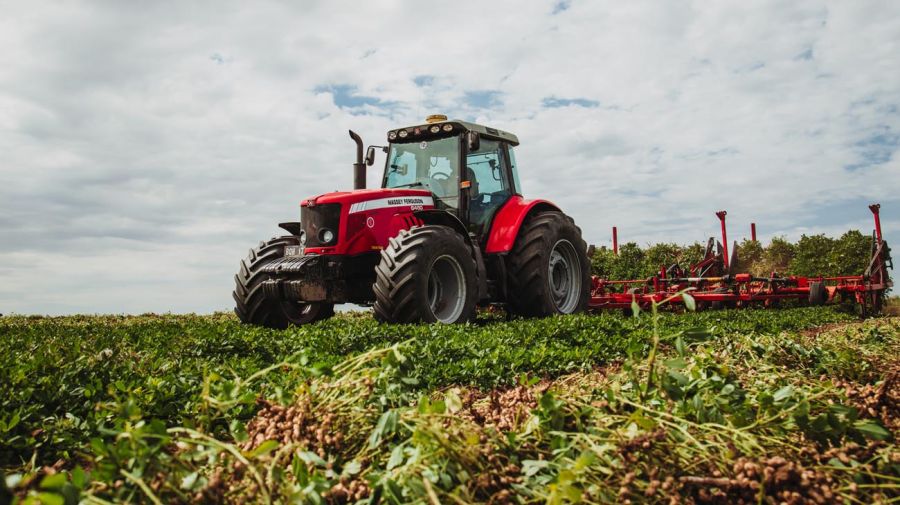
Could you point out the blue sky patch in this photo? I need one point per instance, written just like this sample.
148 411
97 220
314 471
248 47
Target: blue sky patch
876 149
561 5
552 102
423 80
345 95
805 55
482 99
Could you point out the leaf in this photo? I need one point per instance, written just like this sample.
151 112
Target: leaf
51 498
531 467
676 363
783 394
188 481
79 477
387 423
352 468
264 448
635 308
438 407
53 481
13 421
454 403
872 429
298 468
689 302
312 458
396 457
679 345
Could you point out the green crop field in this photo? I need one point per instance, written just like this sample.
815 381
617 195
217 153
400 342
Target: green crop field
747 406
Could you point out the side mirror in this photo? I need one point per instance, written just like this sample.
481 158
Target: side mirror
474 141
370 156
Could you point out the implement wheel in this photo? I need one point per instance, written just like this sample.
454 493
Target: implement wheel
719 305
818 295
549 271
251 304
426 273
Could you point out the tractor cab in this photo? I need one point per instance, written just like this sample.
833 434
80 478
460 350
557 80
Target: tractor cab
469 169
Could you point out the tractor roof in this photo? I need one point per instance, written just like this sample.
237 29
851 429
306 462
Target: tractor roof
458 125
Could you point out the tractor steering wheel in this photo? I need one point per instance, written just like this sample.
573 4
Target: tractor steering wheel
439 183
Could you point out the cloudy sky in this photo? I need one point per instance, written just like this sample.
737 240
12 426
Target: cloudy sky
145 149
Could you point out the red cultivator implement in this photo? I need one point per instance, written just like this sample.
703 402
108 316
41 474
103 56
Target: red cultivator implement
714 285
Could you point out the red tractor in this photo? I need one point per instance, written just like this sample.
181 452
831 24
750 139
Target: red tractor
447 231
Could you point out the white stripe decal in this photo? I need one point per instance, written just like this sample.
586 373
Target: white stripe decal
397 201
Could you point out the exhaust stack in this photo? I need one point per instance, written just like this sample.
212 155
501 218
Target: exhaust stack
359 168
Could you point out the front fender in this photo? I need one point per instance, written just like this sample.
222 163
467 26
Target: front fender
508 220
442 218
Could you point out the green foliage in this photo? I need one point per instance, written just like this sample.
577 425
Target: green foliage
167 416
777 256
661 255
850 254
62 379
692 254
811 256
750 257
630 263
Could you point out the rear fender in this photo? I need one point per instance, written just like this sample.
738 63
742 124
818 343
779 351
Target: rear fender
508 220
444 218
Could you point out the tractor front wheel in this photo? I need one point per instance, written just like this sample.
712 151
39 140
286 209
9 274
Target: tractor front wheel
426 273
251 304
549 271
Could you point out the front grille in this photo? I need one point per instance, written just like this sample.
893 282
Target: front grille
313 219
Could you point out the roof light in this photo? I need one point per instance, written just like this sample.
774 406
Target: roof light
435 118
403 134
392 135
434 129
447 127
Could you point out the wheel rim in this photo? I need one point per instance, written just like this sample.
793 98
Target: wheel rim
446 289
564 276
299 313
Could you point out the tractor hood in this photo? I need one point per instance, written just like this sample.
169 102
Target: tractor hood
420 197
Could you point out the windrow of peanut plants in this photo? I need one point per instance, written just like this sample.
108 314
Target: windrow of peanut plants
181 408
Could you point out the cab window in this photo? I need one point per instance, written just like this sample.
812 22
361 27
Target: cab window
431 165
513 169
490 185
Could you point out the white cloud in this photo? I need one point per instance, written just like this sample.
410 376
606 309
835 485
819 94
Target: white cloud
146 148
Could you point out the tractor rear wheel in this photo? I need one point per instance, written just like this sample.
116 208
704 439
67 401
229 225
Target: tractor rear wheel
426 273
251 303
549 271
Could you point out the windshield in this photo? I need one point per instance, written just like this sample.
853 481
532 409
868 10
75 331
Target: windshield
431 165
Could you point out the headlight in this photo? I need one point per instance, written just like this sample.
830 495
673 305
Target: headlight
326 236
303 238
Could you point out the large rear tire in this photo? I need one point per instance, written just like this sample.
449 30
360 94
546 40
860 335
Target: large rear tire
426 274
251 304
549 271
